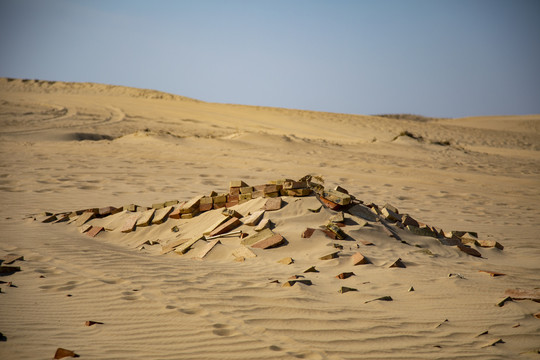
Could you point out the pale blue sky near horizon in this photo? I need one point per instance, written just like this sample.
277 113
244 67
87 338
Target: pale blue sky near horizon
440 58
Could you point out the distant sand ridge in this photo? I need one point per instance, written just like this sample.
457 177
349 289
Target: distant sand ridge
146 254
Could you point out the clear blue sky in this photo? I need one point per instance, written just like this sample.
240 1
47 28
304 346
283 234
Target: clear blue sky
431 57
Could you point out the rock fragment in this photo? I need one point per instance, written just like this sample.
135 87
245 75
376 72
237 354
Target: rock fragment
345 289
273 204
63 353
397 264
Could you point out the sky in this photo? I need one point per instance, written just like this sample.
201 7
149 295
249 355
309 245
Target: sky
440 58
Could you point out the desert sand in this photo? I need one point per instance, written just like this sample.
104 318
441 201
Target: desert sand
73 146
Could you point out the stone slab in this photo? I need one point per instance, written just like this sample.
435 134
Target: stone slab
191 206
259 236
398 264
329 204
254 219
524 294
11 258
146 218
237 183
273 204
94 230
337 197
490 244
216 224
229 225
345 275
243 252
469 250
208 248
182 249
129 224
264 224
171 245
161 215
336 230
298 192
308 233
270 242
289 185
85 217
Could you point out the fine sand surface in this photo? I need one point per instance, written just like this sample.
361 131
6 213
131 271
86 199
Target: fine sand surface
67 146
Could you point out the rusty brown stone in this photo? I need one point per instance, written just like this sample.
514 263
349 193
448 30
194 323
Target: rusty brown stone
273 204
229 225
345 275
62 353
307 233
272 241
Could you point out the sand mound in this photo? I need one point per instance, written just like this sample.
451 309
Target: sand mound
319 280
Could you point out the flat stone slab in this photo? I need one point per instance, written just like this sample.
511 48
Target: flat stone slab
254 219
160 215
264 224
270 242
216 224
171 245
11 258
146 218
469 250
129 224
363 212
272 204
208 248
243 252
524 294
182 249
308 233
8 270
228 226
260 236
84 218
94 230
191 206
490 244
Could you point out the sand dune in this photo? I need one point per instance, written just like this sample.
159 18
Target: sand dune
72 146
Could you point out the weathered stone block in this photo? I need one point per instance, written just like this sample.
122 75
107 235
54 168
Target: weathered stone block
231 204
421 231
264 224
337 197
391 208
341 190
244 198
175 214
345 275
191 206
336 230
307 233
490 244
237 184
298 192
337 218
171 203
206 200
390 215
469 250
246 190
257 194
232 213
184 248
329 204
289 185
205 207
158 205
286 261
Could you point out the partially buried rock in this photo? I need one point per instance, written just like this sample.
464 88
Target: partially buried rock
345 275
332 255
271 242
359 259
503 301
290 283
469 250
311 269
272 204
286 261
63 353
382 298
397 264
90 323
345 289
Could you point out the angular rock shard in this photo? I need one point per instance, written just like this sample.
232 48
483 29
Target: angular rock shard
311 269
332 255
345 275
171 245
63 353
84 218
345 289
397 264
469 250
11 258
290 283
307 233
286 261
264 224
382 298
359 259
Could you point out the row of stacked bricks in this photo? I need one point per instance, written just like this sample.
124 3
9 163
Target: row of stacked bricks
240 192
